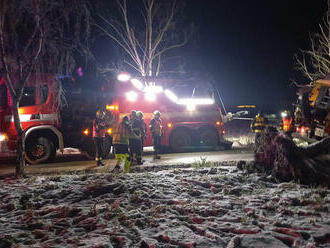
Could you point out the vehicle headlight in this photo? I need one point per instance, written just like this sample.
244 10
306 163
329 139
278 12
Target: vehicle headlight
3 137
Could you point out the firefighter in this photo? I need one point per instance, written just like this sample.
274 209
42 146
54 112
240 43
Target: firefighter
287 123
139 115
99 130
258 126
135 143
156 131
132 115
120 140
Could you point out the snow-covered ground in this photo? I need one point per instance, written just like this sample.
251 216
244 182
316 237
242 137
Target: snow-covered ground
163 206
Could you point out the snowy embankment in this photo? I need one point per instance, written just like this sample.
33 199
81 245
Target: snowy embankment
163 207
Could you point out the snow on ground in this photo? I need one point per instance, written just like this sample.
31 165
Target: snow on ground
163 206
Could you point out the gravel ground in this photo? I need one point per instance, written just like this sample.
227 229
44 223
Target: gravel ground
163 206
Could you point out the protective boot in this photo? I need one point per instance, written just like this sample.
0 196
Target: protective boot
139 159
127 165
99 161
156 156
119 158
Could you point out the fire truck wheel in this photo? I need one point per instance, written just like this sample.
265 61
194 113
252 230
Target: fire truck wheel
39 150
180 139
209 137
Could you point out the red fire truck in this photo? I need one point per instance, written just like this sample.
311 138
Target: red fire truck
52 123
188 122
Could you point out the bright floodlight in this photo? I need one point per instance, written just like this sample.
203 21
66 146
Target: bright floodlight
150 96
284 114
3 137
123 77
137 83
171 95
191 107
196 101
131 96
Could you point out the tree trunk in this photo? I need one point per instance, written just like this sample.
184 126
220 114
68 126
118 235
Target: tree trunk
287 162
20 163
310 165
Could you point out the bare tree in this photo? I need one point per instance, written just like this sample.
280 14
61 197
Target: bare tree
315 63
147 34
36 36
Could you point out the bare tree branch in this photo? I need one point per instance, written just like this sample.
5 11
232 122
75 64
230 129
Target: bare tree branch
145 45
315 62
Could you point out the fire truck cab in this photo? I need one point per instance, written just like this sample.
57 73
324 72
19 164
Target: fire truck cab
55 113
38 112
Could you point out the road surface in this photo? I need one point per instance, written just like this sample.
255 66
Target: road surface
70 163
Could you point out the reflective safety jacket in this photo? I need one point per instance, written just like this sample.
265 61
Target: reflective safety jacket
287 124
156 127
138 129
99 128
259 124
121 133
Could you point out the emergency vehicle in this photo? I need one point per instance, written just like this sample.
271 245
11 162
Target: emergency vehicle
312 111
188 122
51 122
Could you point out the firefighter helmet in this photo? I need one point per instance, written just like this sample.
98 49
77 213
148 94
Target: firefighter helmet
139 115
133 114
156 113
286 114
100 114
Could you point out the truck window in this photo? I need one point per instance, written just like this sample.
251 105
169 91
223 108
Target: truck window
43 94
3 96
30 96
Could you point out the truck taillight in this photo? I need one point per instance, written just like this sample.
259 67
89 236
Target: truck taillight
86 132
3 137
109 131
112 107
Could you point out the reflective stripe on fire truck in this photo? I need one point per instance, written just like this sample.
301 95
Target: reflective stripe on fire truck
35 117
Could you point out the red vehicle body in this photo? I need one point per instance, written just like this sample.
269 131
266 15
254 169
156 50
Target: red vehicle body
50 127
183 127
38 114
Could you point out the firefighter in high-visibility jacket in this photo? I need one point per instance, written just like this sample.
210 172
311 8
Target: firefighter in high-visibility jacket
99 130
135 142
258 126
156 130
120 140
287 123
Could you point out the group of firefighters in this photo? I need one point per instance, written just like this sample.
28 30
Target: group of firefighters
260 123
127 137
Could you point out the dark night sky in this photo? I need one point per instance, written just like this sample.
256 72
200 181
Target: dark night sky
248 46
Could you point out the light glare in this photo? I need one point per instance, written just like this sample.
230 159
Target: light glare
123 77
153 89
171 95
150 96
3 137
196 101
191 107
137 83
131 96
